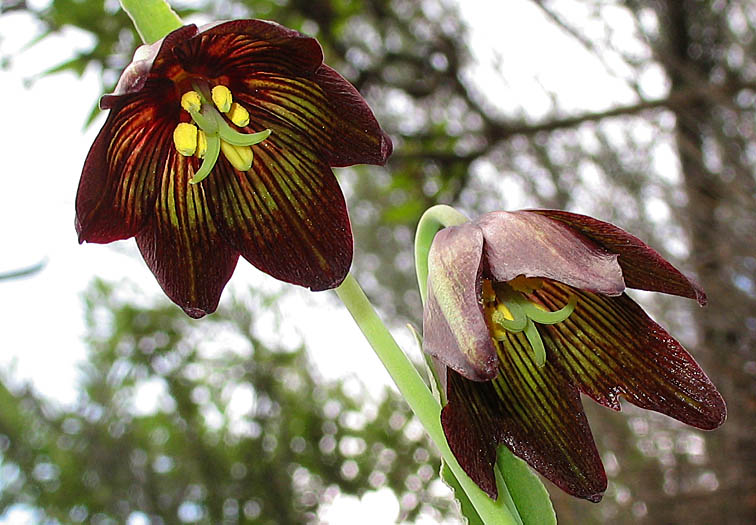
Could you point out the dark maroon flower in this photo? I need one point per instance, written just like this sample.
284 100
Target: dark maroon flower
220 142
526 310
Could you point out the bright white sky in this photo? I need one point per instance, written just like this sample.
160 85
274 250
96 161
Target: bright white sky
43 146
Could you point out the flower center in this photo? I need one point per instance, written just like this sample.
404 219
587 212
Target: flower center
508 309
215 134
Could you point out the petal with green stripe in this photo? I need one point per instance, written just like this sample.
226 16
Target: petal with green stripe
121 174
642 266
334 115
532 410
609 347
243 47
286 215
182 245
454 329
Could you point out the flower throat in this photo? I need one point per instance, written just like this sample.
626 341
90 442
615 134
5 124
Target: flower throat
508 309
211 133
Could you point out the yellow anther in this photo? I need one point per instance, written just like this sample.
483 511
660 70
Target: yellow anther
496 331
503 310
191 101
489 295
525 284
222 98
185 138
240 157
238 115
201 144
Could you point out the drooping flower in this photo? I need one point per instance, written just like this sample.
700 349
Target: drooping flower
526 310
219 143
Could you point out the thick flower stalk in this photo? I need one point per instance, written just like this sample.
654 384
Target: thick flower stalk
525 311
220 142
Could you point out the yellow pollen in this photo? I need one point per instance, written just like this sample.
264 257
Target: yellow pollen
185 138
191 101
524 284
222 98
240 157
503 310
201 144
238 115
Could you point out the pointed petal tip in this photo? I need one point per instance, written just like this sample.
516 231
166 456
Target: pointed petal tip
196 313
594 498
387 148
716 416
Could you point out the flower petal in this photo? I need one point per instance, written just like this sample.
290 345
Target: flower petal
182 246
334 116
534 411
354 133
610 347
119 183
281 71
286 215
152 60
233 50
642 266
454 329
525 243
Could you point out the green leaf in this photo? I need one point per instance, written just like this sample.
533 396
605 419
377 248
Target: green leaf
528 493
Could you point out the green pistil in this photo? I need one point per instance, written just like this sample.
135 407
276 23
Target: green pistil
525 314
209 160
216 129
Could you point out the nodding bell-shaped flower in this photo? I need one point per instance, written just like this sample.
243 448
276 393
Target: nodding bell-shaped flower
219 143
526 310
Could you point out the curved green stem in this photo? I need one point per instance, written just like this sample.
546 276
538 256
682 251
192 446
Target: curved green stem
417 395
434 218
153 19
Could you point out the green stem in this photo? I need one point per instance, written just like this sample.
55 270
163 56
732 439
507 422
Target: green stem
417 395
434 218
153 19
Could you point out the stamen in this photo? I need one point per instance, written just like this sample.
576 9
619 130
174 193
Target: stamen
514 312
222 98
185 139
240 157
238 115
525 284
201 144
191 101
215 133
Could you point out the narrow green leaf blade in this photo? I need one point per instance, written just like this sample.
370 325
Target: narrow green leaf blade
525 488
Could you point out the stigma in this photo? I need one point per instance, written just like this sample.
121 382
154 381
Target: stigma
213 112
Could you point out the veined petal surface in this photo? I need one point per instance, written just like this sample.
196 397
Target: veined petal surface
232 50
123 168
534 411
286 215
642 266
181 244
609 347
